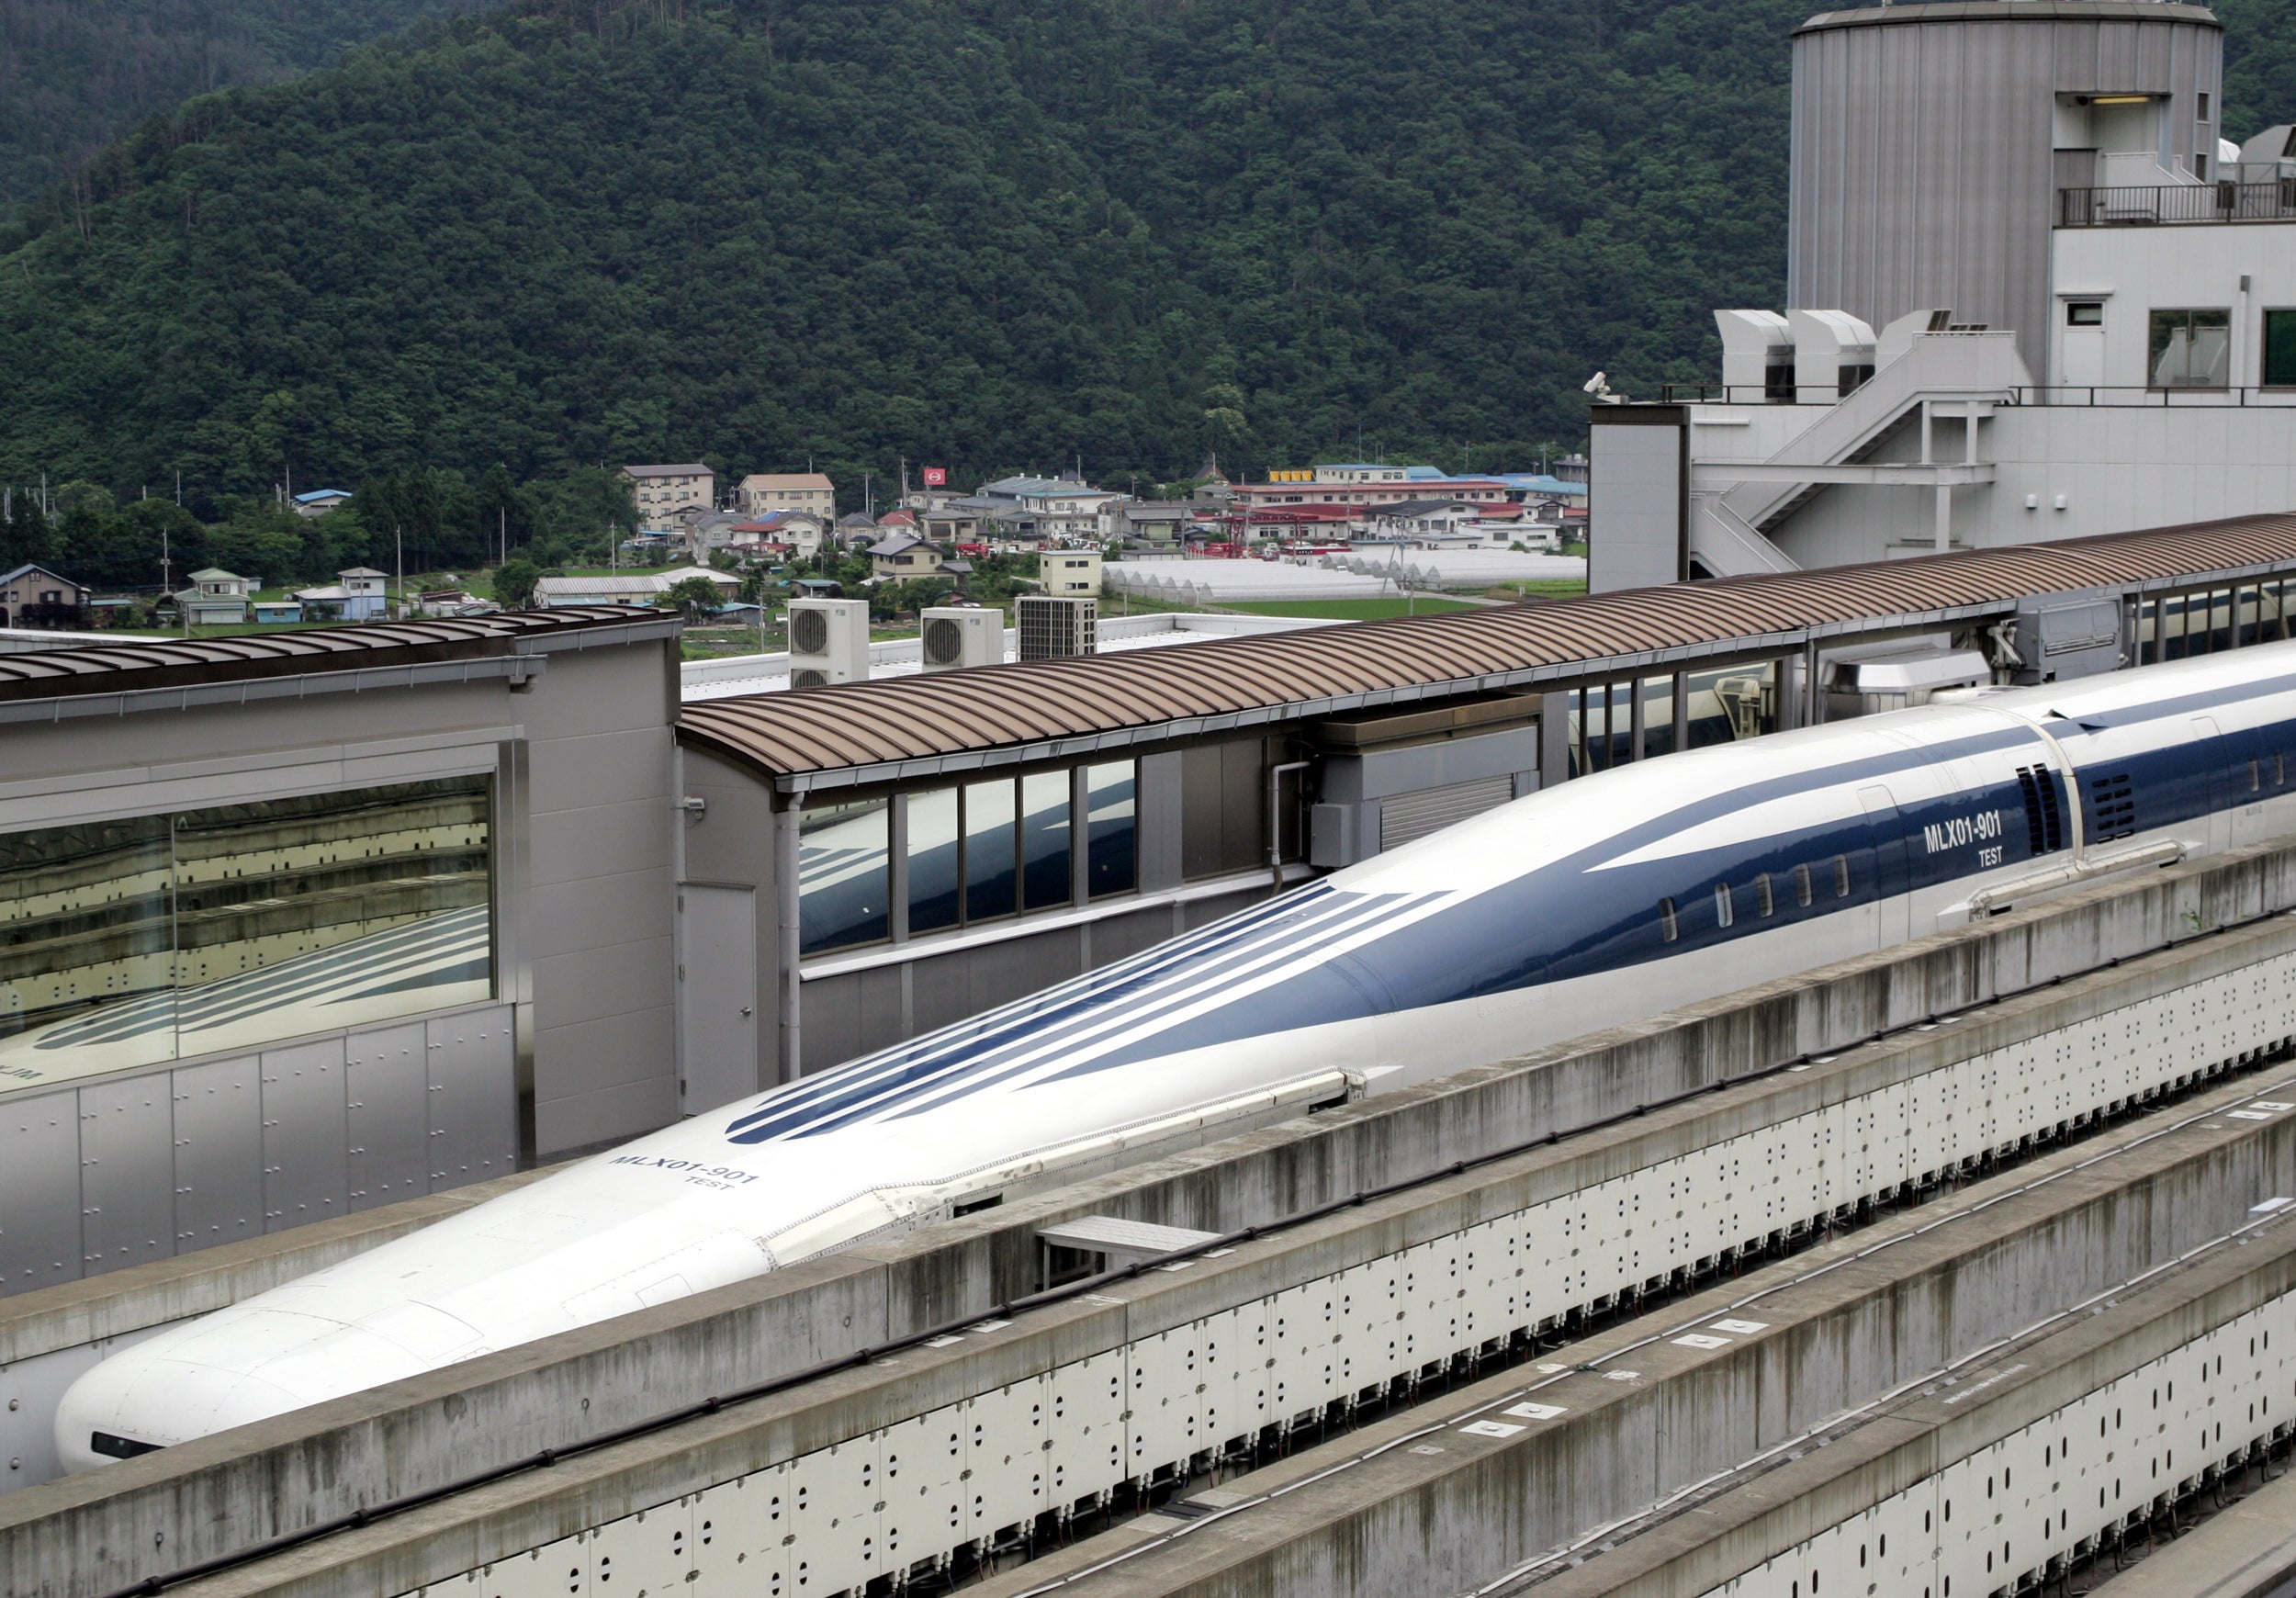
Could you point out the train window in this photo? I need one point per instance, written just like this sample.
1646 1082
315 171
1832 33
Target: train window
1802 890
1841 876
1723 915
1763 903
2280 770
2256 776
1669 925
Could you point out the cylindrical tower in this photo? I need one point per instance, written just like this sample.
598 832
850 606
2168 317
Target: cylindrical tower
1931 140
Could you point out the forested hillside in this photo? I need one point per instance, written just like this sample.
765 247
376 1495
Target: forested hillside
75 74
985 233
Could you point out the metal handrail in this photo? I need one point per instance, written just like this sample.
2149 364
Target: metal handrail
2178 204
2097 396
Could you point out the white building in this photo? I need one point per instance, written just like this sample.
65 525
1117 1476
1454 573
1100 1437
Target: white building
2162 391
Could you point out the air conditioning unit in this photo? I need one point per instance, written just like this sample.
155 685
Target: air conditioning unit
829 642
1054 626
955 636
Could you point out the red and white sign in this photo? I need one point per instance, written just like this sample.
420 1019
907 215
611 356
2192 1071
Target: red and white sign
936 477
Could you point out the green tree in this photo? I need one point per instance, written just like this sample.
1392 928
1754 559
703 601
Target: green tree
514 582
695 598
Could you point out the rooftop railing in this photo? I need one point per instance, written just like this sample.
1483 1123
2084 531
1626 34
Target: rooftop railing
2177 203
2100 395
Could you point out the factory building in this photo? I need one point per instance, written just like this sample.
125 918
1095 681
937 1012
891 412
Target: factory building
2034 293
300 926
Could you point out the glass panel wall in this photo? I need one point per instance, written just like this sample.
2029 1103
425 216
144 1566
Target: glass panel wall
127 943
1044 806
1112 808
844 874
936 883
990 883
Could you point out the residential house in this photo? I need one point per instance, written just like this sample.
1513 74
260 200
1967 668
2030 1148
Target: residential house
1070 572
33 596
704 531
959 518
1063 507
797 532
358 594
216 599
277 613
664 490
1155 521
904 554
809 492
318 502
856 528
629 587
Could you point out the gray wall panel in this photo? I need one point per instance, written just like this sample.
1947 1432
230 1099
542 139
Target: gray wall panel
473 1098
831 1019
306 1166
1121 936
387 1117
880 1009
39 1190
219 1152
126 1172
1923 169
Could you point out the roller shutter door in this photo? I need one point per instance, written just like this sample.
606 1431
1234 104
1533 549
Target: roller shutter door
1410 815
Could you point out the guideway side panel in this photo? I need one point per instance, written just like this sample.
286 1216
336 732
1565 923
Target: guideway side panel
1305 1347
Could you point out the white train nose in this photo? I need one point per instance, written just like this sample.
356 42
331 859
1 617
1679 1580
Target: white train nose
136 1401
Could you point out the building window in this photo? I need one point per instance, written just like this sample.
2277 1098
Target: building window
844 875
144 941
1111 808
2084 313
2191 349
2280 349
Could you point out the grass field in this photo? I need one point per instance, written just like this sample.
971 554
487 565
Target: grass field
1351 609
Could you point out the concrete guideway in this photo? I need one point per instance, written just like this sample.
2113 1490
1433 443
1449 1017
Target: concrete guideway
91 1534
1556 1467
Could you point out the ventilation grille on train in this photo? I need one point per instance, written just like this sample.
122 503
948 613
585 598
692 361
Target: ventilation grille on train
2111 808
809 635
2044 812
944 642
809 677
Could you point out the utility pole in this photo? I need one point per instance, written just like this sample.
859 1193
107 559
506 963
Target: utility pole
501 533
398 561
179 487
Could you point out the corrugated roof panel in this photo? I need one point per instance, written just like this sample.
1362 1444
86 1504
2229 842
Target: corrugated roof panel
869 725
142 663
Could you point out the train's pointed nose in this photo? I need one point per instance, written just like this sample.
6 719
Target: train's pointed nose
138 1401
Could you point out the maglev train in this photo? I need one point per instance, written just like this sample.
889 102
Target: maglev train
1600 900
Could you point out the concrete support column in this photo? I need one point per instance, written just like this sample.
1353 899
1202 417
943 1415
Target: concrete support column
1682 711
1943 539
1634 721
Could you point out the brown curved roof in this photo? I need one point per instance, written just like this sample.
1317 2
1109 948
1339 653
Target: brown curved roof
171 662
871 731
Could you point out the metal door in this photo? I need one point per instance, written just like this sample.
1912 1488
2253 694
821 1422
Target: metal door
1892 897
2210 744
717 996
